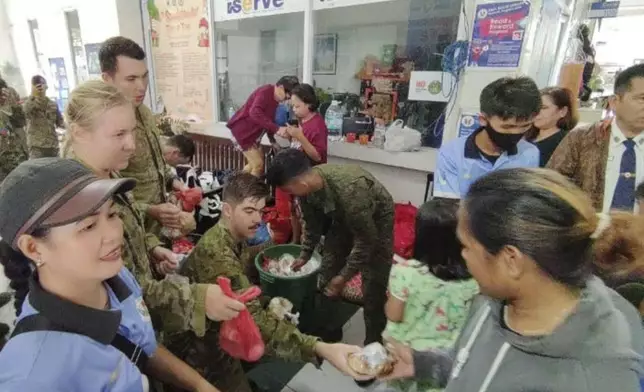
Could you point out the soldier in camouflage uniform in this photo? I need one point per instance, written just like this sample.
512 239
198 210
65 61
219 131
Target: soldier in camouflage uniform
123 64
12 120
223 251
43 117
355 213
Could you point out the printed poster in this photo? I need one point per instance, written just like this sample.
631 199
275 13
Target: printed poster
467 124
181 54
498 33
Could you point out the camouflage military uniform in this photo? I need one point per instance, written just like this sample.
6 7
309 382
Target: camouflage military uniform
12 152
43 117
219 254
152 174
357 213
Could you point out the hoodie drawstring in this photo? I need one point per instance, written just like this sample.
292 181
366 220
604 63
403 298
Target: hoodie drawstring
464 353
495 366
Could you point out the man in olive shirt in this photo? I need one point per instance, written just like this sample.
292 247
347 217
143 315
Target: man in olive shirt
123 65
223 252
355 213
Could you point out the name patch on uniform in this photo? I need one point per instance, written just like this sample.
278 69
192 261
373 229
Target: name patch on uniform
143 309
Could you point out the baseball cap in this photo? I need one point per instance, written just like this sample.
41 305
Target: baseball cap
50 192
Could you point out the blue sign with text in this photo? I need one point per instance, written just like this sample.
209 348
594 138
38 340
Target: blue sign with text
606 9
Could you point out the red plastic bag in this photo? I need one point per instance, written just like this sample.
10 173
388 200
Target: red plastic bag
240 337
182 246
404 229
279 217
189 198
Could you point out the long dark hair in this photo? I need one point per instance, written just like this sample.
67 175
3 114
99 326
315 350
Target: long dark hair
436 244
562 98
18 269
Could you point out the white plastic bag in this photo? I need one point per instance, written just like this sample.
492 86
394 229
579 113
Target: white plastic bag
401 138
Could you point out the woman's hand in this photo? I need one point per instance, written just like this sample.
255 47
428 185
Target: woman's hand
295 132
337 355
404 366
165 261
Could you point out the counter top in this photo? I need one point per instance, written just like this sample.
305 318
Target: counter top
423 160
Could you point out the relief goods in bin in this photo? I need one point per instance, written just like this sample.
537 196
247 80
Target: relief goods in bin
240 337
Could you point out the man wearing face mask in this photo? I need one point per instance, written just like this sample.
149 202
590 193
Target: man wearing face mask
508 106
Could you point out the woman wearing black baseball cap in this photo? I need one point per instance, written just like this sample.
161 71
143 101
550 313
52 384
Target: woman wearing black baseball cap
82 323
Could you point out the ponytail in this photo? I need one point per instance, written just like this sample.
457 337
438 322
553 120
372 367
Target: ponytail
18 269
619 246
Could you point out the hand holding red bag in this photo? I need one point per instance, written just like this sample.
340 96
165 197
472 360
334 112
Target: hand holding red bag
240 337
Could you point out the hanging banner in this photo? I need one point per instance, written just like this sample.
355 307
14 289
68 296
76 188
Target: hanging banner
242 9
497 37
60 82
605 9
180 39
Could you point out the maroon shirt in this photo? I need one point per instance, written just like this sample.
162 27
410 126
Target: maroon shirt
255 117
316 132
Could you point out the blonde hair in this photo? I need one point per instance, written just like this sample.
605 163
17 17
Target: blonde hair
86 103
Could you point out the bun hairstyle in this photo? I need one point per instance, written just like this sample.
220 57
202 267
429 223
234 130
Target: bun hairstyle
18 269
86 103
551 220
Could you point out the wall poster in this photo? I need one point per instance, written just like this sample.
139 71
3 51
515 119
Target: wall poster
497 37
181 54
60 82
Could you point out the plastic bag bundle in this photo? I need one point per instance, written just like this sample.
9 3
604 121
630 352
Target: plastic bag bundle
240 337
401 138
284 266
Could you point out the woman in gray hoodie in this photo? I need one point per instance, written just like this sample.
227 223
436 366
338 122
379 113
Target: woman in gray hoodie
543 321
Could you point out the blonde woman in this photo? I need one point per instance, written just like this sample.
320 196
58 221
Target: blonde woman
100 123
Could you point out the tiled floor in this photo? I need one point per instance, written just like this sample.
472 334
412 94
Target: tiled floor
310 379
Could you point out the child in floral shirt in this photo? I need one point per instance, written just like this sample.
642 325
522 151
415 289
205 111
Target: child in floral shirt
430 295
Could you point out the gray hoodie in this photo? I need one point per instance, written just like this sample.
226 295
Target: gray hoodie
598 348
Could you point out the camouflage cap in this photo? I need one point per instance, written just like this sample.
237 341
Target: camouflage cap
49 192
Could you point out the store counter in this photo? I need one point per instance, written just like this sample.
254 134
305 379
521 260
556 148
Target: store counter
407 175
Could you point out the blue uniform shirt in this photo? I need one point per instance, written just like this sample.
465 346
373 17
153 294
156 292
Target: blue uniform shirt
282 115
460 163
85 362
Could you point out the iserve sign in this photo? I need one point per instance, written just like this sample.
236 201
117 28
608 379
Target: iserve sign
251 6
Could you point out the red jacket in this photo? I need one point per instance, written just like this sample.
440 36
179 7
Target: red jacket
255 117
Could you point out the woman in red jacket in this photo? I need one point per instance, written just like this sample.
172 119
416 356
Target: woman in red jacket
255 118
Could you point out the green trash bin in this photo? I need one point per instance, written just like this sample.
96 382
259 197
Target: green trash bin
300 290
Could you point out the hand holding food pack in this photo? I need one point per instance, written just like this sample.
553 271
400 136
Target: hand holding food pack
374 361
240 337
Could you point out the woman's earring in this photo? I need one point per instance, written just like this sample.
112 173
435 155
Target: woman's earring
39 263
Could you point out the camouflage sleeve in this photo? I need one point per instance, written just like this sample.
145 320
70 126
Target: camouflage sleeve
313 222
180 305
210 260
18 119
359 208
152 241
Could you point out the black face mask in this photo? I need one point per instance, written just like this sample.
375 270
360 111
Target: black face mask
505 141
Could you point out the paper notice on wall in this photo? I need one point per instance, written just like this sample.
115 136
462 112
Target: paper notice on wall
468 123
181 54
432 86
497 36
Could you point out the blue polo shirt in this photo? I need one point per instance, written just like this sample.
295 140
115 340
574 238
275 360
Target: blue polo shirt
86 362
460 163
